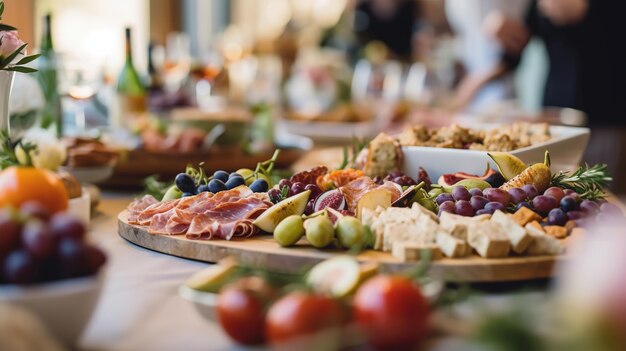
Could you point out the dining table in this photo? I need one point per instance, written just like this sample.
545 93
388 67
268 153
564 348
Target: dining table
140 307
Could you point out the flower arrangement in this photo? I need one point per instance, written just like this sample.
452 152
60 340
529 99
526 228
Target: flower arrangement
13 50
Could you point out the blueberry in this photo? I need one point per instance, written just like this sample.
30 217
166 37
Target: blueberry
187 194
221 175
185 183
202 188
216 185
568 204
259 186
234 182
235 174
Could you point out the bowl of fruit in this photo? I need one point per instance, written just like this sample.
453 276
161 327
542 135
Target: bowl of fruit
47 267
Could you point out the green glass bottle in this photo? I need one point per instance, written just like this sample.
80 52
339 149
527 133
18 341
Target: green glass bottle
52 113
130 93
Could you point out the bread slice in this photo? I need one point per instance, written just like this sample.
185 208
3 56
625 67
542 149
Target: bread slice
384 155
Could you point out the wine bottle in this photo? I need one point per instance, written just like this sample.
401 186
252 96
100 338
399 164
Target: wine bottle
155 83
130 93
47 77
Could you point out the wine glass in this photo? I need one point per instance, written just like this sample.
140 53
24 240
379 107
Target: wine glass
378 85
82 83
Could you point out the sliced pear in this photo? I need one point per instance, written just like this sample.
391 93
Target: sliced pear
338 276
294 205
508 165
373 199
212 279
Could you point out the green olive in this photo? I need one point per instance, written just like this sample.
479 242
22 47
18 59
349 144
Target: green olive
289 230
319 231
350 232
172 193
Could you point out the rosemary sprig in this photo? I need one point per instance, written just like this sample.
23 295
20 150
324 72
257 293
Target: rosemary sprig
587 181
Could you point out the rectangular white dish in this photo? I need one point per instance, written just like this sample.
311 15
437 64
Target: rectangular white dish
566 148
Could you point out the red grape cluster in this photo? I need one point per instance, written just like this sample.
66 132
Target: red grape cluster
555 204
37 247
400 178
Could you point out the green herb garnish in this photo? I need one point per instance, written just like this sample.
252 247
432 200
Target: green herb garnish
589 182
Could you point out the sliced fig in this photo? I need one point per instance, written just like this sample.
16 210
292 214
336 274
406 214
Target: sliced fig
453 178
406 197
332 198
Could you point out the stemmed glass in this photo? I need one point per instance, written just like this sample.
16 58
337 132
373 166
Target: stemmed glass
82 83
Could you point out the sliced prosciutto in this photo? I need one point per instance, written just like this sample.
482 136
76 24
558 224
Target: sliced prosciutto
227 220
139 205
354 190
225 215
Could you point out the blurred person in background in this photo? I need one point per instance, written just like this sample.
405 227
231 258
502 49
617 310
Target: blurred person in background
587 66
391 22
486 80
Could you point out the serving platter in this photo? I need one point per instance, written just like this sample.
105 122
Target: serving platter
264 252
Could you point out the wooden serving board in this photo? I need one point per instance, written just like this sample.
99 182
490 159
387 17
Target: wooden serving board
264 252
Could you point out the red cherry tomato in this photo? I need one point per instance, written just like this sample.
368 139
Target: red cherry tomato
391 313
241 310
301 314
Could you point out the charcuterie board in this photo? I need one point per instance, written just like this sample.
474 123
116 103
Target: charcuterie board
264 252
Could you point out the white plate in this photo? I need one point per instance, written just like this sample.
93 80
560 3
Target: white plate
330 131
566 148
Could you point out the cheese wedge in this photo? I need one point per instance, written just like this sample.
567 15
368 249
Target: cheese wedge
544 244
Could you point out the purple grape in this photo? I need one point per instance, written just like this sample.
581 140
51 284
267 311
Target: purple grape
568 204
315 190
522 204
9 233
35 209
544 204
611 209
64 225
310 207
576 197
296 188
404 180
476 192
494 206
556 216
575 215
460 193
569 192
478 202
95 259
530 190
73 256
464 208
38 240
275 195
20 268
447 206
284 183
517 195
395 174
590 207
555 192
443 197
482 212
497 195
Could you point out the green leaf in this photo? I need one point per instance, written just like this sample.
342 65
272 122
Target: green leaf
6 28
28 59
21 69
12 57
1 8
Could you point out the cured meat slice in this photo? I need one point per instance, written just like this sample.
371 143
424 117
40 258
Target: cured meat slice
138 205
228 219
310 176
145 217
354 190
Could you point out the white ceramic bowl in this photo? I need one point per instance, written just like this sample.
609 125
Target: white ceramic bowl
93 175
566 148
64 306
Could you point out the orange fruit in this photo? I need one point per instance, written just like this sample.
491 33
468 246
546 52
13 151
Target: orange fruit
19 185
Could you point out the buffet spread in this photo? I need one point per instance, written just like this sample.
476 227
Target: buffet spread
514 213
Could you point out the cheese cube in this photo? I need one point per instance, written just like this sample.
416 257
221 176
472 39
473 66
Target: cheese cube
488 239
411 252
424 211
519 237
452 246
544 244
534 228
556 231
